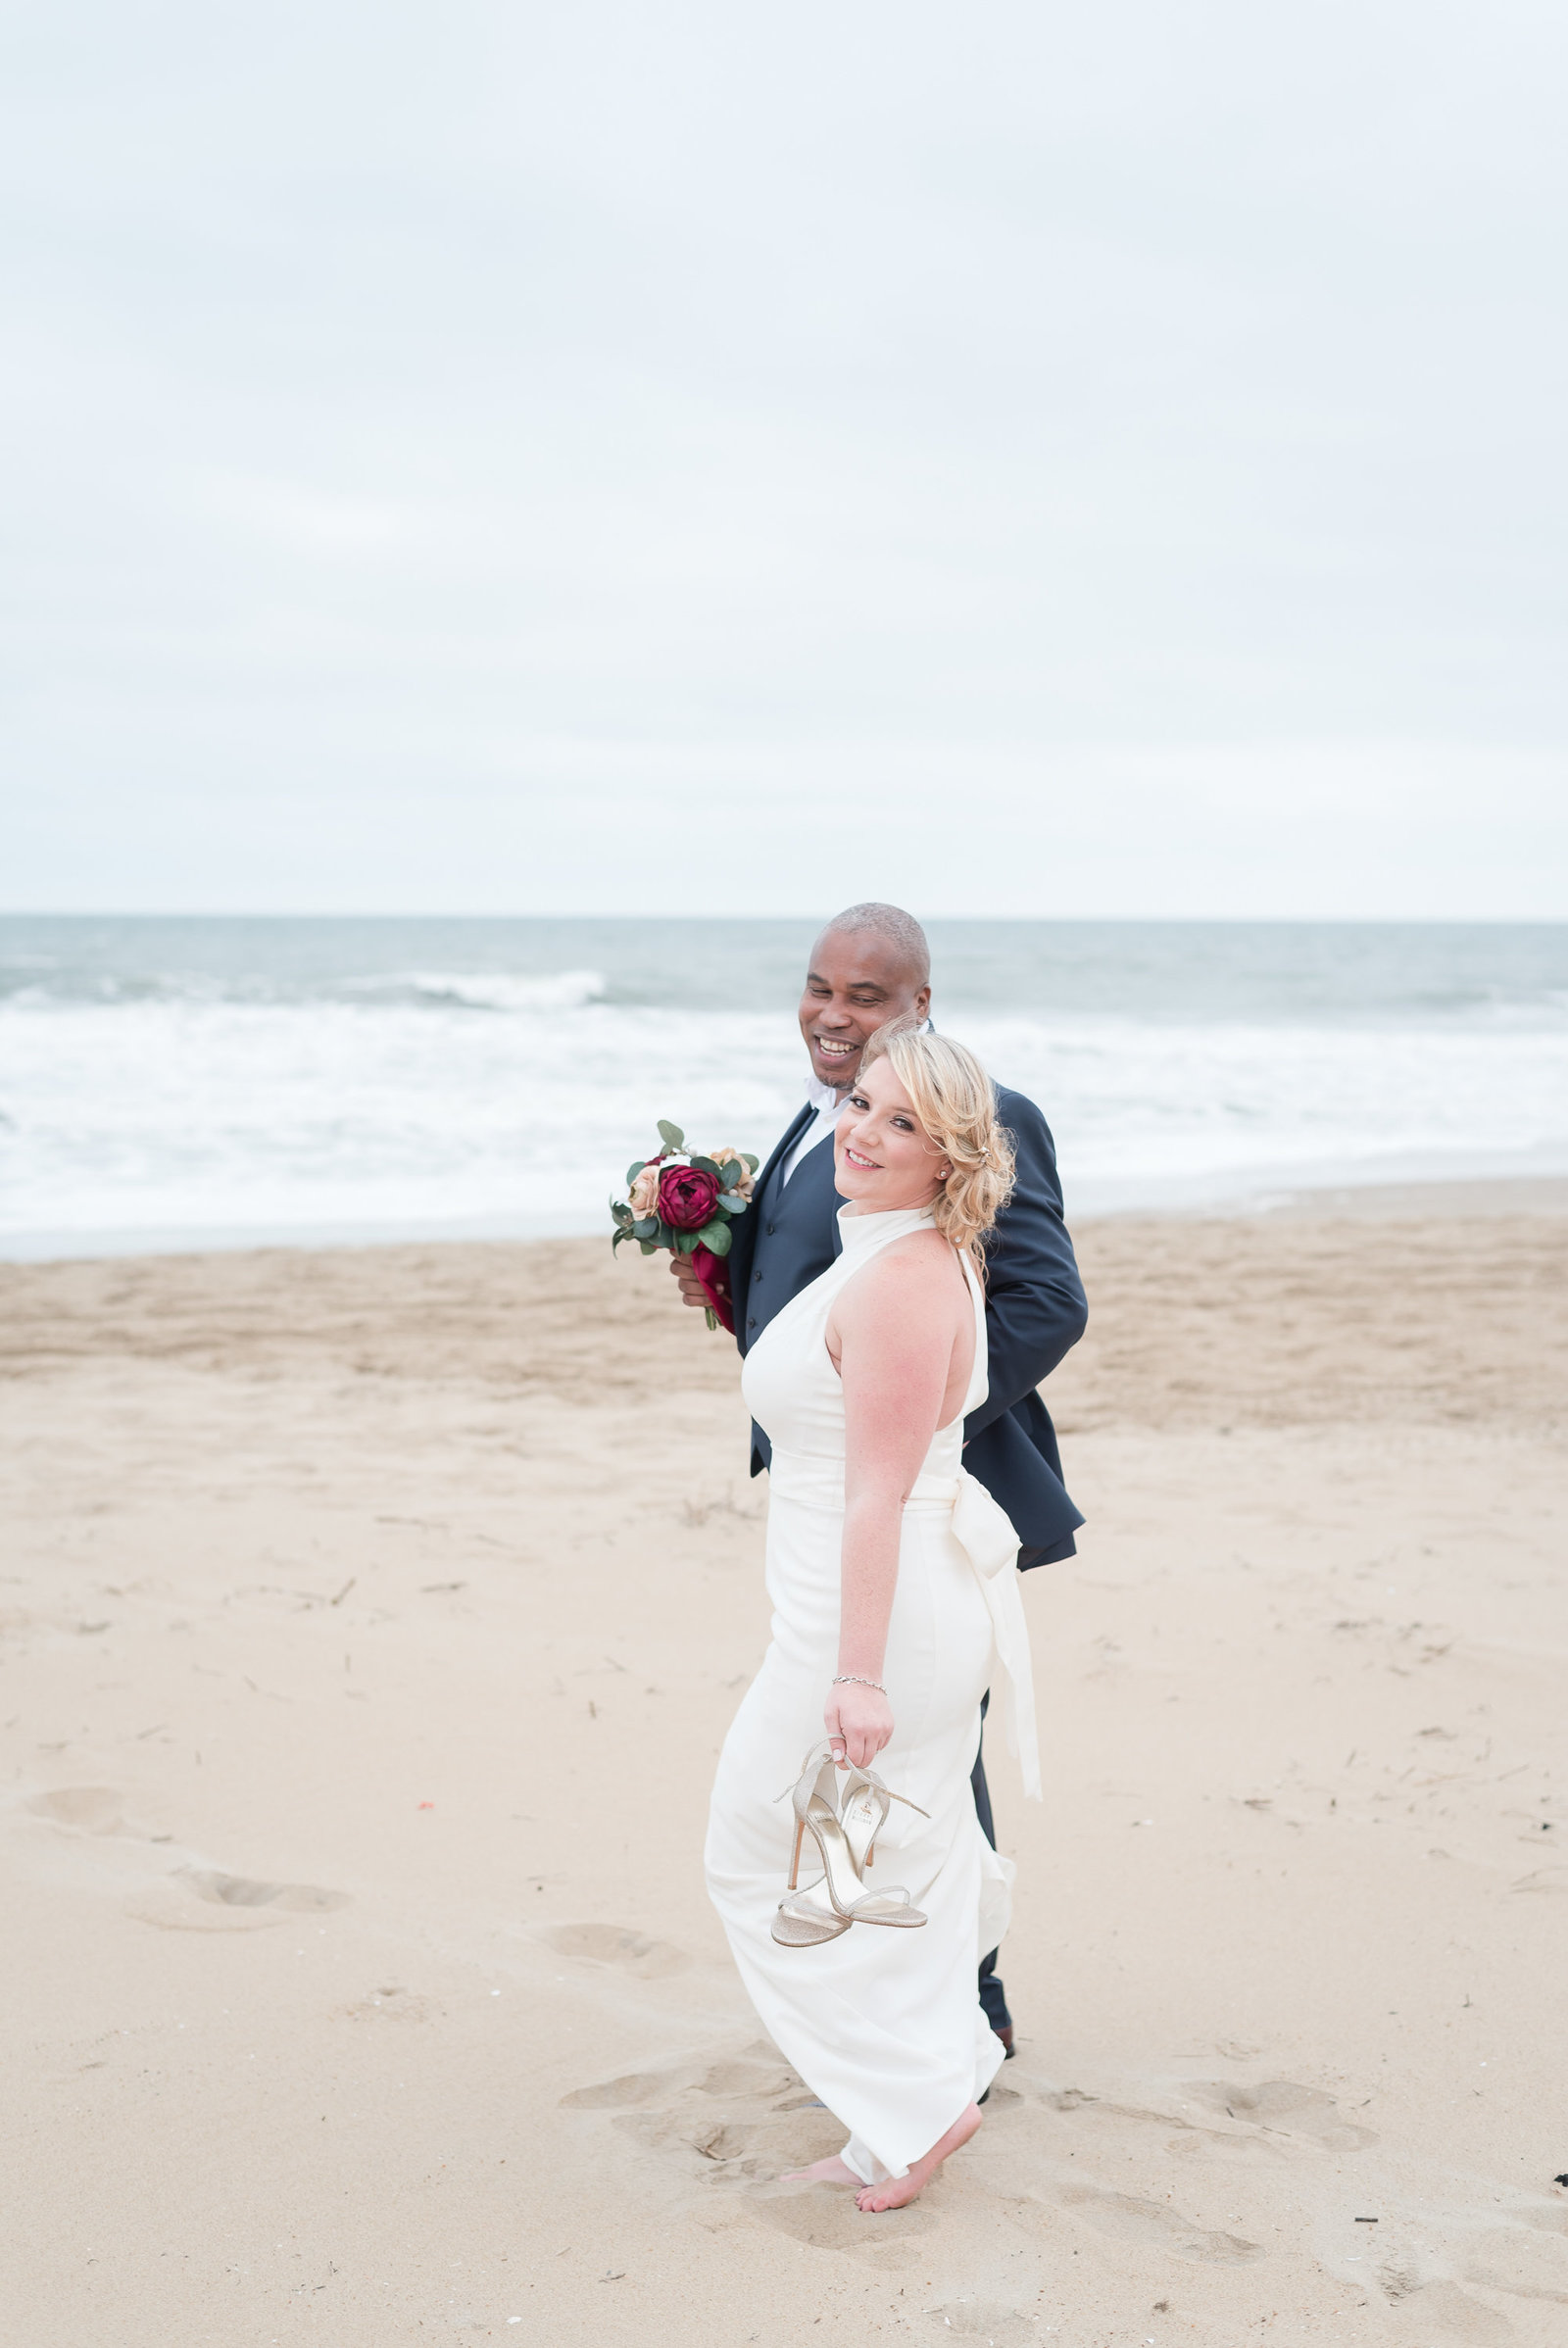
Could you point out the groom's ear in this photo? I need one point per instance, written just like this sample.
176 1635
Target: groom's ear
923 1003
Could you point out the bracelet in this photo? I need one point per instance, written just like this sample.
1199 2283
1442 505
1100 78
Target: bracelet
853 1678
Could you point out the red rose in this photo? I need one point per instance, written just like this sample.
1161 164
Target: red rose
686 1198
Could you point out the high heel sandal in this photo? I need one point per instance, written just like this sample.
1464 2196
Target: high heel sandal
816 1813
864 1812
806 1916
804 1919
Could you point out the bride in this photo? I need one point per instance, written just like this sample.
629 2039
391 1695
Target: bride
896 1606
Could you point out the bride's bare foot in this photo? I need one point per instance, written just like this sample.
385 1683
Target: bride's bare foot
901 2189
824 2173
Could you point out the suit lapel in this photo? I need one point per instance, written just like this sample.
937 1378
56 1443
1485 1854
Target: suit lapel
783 1145
743 1240
812 1190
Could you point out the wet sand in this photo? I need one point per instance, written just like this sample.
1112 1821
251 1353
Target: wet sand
370 1620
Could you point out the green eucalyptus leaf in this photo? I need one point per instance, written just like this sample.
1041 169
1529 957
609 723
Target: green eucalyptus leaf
646 1227
632 1172
685 1242
753 1162
715 1236
620 1211
671 1134
705 1165
728 1205
729 1173
620 1235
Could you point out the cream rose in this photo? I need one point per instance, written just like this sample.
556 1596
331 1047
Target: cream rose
733 1158
643 1196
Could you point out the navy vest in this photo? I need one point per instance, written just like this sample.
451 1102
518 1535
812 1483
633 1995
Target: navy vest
793 1234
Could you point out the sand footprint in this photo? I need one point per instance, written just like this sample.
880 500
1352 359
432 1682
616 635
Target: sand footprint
633 2087
740 2076
666 2110
746 2075
1280 2105
615 1944
185 1901
204 1900
740 2121
244 1891
90 1809
1131 2219
1196 2139
825 2218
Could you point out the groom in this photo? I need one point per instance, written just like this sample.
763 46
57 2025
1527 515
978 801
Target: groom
869 965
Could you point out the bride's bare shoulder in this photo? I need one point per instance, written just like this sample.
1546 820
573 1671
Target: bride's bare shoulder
923 1247
918 1271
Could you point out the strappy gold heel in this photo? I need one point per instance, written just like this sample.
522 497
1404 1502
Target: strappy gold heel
864 1812
806 1917
816 1813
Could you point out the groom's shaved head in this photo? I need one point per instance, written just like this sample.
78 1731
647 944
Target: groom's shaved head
869 965
897 929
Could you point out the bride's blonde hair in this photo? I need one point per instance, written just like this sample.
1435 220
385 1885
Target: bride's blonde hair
955 1103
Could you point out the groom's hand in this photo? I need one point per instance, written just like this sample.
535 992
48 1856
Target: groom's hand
691 1288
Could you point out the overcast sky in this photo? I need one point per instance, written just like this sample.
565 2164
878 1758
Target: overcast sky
623 458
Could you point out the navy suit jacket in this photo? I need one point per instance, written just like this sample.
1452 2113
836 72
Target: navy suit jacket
1035 1311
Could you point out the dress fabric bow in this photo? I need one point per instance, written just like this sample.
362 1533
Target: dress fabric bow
985 1532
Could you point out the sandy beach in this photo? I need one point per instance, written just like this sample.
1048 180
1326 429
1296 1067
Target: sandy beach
370 1622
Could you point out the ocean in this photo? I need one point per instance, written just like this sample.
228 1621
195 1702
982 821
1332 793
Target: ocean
191 1083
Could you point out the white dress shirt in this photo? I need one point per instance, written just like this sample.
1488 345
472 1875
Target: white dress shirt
826 1103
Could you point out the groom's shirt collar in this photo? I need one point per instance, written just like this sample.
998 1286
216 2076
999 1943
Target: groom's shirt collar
826 1105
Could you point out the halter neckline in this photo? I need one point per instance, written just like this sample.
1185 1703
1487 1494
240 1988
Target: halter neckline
889 1223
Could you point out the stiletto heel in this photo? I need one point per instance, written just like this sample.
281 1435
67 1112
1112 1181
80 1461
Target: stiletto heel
805 1919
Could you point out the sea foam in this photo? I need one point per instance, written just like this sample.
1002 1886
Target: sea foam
179 1085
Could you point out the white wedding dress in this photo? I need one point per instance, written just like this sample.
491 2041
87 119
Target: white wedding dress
884 2025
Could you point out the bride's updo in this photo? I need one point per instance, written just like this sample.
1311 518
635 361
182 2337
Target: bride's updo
955 1103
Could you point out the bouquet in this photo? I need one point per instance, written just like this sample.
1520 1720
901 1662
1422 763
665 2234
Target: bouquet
687 1205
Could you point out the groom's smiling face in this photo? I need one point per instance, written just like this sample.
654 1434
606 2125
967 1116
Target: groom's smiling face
856 981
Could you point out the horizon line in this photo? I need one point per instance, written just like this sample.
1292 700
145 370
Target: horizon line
995 920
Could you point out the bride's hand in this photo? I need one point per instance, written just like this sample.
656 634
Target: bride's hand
860 1722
